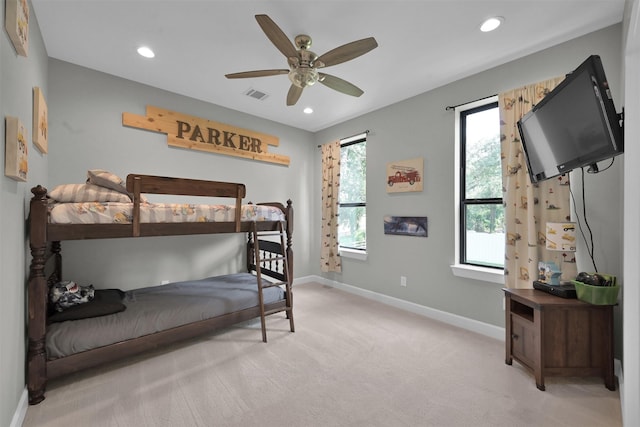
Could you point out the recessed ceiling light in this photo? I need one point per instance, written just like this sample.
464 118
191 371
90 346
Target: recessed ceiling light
491 24
308 110
146 52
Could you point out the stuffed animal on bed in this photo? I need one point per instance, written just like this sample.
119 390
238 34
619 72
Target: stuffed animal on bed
67 294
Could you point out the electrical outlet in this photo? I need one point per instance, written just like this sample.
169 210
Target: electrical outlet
403 281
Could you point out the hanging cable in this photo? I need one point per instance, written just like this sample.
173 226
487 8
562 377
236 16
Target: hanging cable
588 243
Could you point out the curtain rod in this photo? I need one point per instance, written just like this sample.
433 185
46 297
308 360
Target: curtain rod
453 107
356 134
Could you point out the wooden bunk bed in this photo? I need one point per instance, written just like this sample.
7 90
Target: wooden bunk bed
265 257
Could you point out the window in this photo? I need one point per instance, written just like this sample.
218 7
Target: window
352 211
481 222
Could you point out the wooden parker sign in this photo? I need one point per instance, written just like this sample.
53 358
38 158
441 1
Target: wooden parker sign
195 133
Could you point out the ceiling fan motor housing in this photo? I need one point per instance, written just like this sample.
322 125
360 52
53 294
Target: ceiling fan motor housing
303 72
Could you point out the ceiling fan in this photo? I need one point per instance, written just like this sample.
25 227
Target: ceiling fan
304 64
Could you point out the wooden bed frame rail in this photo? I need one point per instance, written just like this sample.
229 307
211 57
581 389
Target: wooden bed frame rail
44 239
137 184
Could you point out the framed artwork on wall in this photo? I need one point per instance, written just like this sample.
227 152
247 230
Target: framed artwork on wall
405 175
16 163
406 225
40 121
16 22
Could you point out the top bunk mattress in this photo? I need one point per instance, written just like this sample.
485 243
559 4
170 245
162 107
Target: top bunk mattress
122 213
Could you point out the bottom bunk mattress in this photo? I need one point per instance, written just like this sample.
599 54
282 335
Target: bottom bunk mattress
158 308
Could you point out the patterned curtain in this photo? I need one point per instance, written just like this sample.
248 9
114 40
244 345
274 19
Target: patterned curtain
329 254
528 207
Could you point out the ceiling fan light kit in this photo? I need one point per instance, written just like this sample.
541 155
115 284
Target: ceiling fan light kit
303 77
304 64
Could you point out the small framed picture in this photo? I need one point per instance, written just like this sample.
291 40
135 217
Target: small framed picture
406 225
405 175
16 163
16 22
40 121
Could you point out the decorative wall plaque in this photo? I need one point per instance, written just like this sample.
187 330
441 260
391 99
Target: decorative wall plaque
196 133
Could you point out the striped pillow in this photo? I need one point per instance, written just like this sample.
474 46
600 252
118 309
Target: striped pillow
106 179
76 193
110 180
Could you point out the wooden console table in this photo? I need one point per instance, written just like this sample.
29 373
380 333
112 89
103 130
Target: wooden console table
556 336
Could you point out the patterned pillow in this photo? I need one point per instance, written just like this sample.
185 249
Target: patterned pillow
68 294
109 180
77 193
104 302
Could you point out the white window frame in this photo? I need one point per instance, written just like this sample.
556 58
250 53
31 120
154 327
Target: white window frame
484 274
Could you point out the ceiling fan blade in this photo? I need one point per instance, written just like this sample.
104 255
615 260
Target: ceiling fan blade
277 36
257 73
340 85
293 95
346 52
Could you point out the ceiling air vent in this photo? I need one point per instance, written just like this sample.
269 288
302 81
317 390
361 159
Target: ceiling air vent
260 96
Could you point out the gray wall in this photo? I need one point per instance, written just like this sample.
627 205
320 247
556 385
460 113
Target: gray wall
420 127
86 132
18 76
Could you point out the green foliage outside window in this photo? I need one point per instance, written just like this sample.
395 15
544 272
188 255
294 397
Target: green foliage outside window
353 196
482 230
483 171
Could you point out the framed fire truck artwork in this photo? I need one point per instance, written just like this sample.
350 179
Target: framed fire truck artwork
405 175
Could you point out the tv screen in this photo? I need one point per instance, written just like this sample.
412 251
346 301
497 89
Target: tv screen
575 125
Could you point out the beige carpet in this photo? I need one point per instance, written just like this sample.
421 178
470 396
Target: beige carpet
351 362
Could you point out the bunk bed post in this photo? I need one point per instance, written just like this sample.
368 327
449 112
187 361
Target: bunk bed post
289 216
56 248
249 251
240 192
136 207
37 297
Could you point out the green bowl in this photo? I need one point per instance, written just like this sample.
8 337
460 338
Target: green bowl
598 295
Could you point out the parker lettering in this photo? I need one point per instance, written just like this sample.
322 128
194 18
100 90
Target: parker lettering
195 133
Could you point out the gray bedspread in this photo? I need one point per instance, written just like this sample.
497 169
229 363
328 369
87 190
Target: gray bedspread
159 308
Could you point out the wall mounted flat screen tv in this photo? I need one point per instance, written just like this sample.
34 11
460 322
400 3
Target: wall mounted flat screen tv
574 126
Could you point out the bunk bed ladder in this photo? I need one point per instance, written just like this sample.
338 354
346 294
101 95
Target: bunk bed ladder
262 284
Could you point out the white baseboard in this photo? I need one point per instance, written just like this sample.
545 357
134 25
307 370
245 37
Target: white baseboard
21 410
442 316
